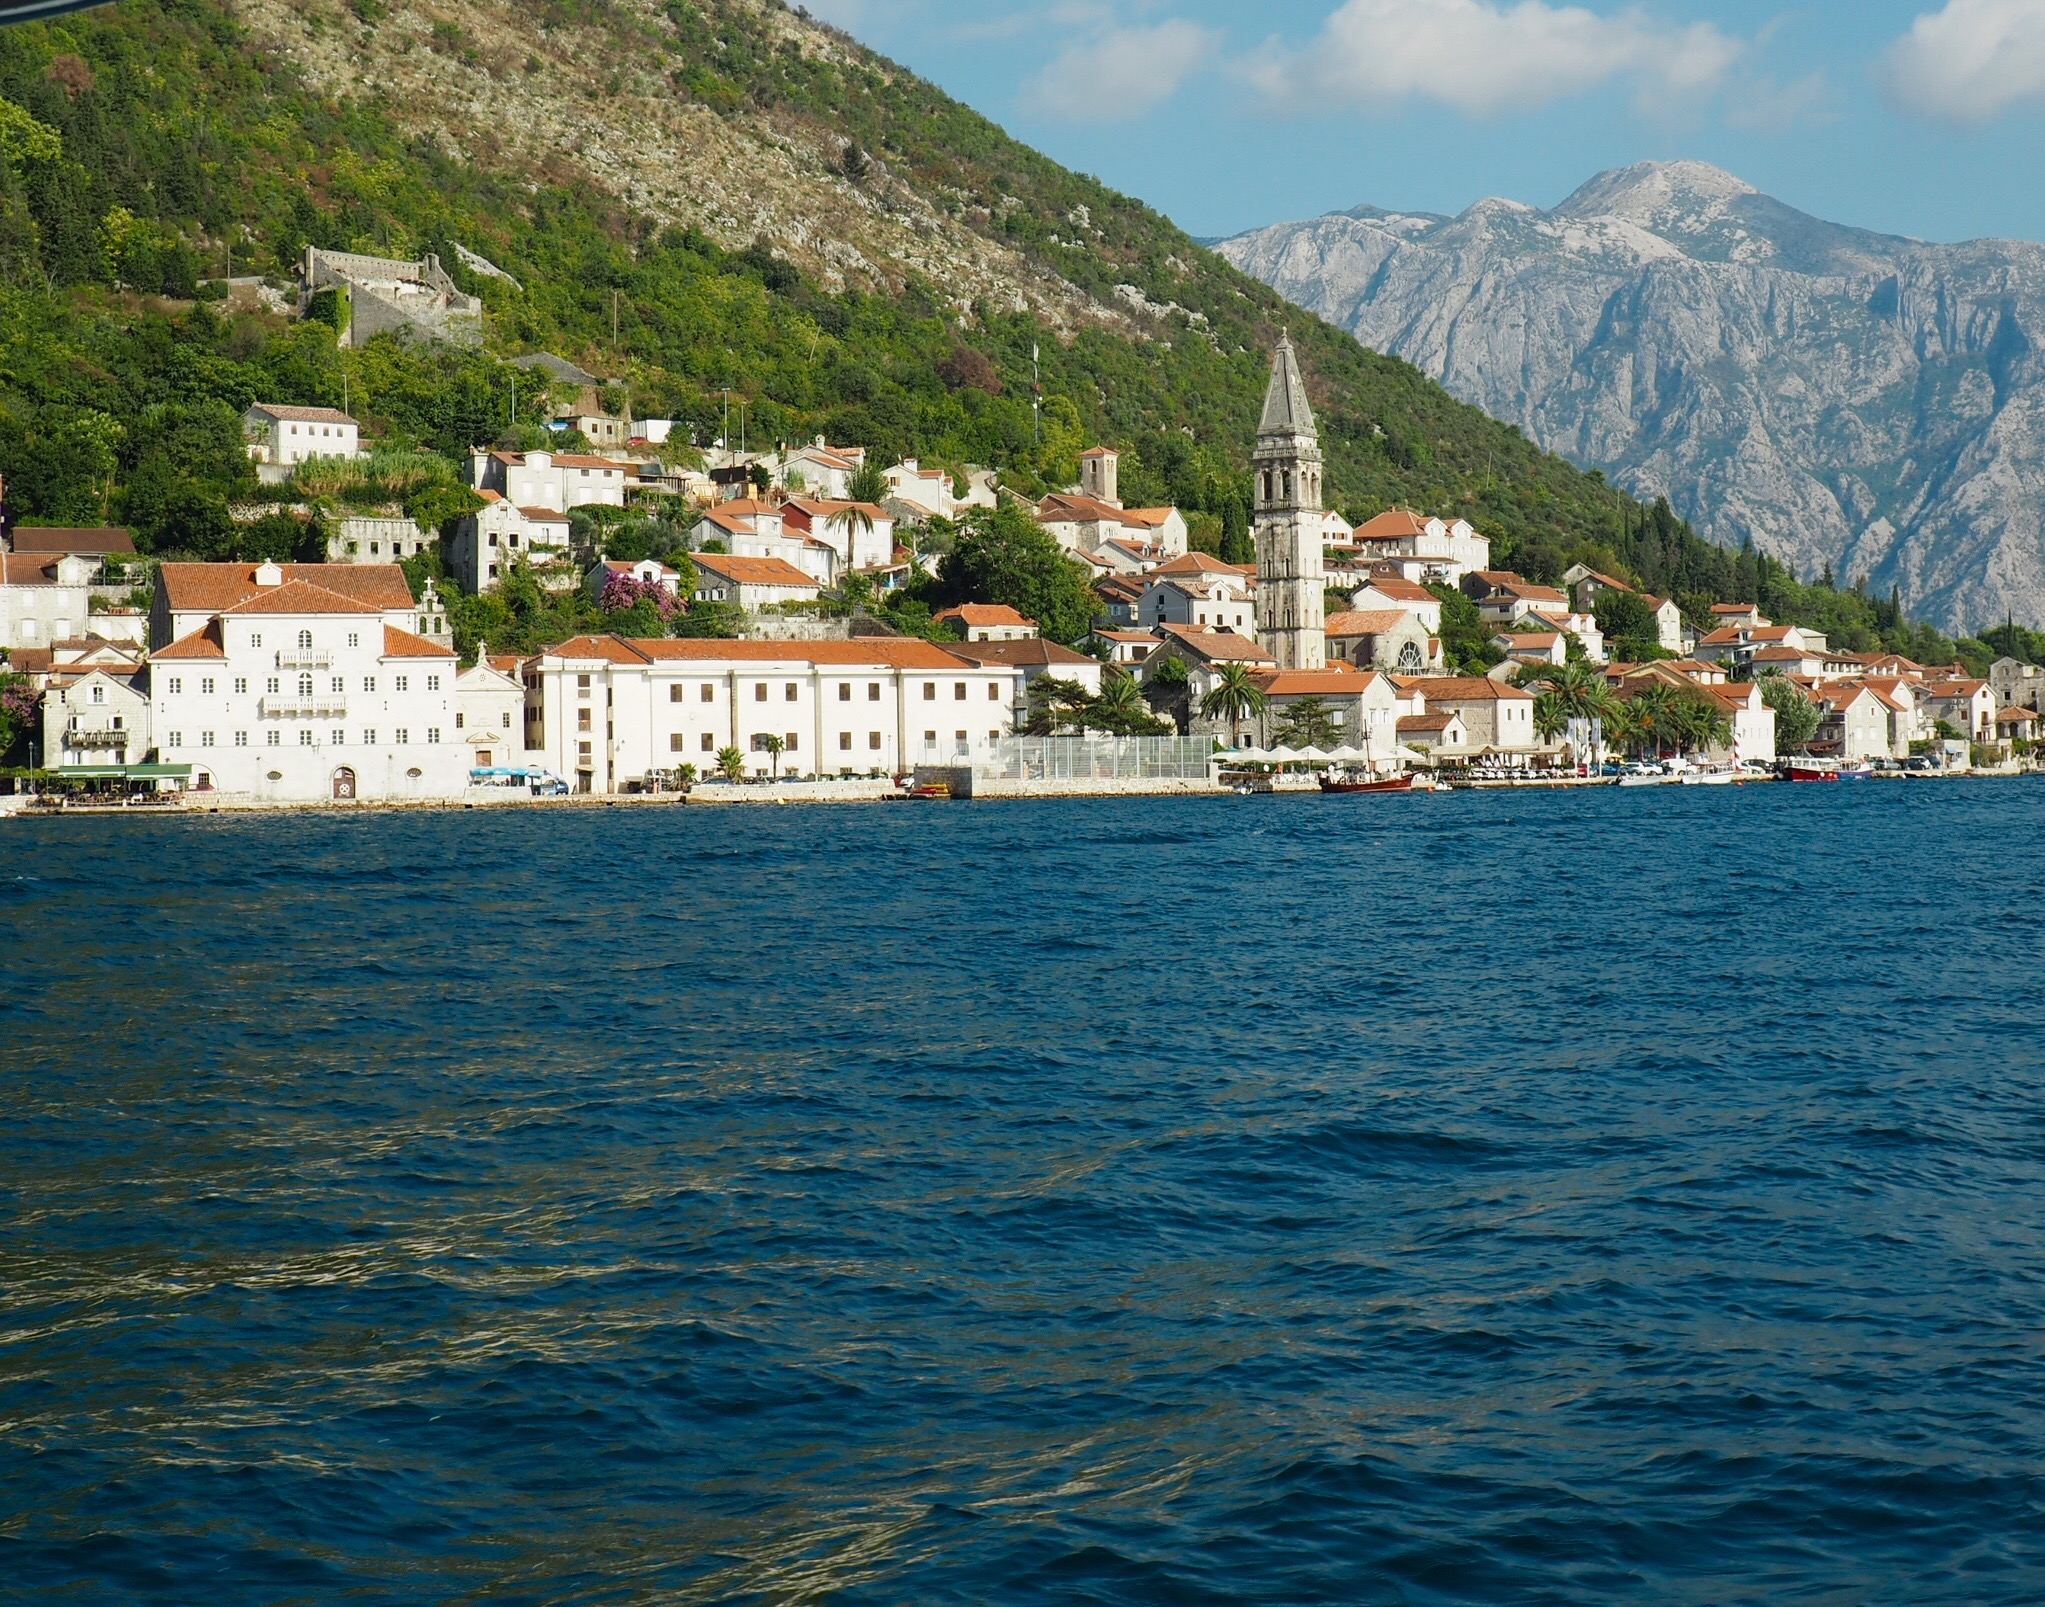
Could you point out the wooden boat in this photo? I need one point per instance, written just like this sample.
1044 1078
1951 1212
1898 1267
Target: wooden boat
1331 783
1813 772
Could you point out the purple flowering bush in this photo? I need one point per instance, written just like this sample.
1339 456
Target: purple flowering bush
20 709
622 592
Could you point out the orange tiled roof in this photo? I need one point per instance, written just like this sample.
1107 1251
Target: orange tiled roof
300 597
202 643
403 644
214 588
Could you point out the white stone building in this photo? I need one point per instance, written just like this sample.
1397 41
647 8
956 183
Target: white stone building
44 599
1442 550
375 539
298 692
603 711
98 715
751 583
489 712
556 480
487 543
279 438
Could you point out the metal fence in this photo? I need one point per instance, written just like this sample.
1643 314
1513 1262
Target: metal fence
1096 758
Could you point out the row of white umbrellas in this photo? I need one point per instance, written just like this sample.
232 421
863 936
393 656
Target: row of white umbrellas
1341 755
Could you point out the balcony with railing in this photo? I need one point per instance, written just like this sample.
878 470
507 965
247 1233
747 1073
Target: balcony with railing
84 741
304 658
311 706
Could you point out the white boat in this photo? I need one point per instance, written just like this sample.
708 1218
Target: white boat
1647 781
1708 778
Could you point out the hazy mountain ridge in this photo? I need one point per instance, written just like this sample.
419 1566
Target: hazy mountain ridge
1847 398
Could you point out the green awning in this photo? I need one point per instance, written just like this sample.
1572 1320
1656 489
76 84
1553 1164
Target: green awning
125 772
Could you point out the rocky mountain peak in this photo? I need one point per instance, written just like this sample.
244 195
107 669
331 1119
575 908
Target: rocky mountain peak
1842 397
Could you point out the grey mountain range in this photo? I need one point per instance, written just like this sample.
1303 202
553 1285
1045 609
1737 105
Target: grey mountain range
1843 397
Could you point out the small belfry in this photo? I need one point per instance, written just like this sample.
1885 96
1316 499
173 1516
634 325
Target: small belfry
1291 599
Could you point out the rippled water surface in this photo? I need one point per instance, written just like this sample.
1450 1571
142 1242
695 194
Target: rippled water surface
1616 1196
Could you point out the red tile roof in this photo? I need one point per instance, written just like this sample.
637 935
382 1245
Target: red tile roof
403 644
202 643
54 539
1366 621
754 571
303 415
300 597
1472 689
985 614
214 588
907 653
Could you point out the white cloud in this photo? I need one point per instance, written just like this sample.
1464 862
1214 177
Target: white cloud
1970 61
1488 59
1116 74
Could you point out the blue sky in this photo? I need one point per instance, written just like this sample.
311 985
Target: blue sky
1921 117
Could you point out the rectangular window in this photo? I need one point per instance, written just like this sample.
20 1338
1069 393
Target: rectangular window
759 742
582 748
176 686
930 739
369 737
433 683
273 739
241 685
993 736
338 737
873 691
794 742
241 739
305 739
959 691
404 683
929 691
582 719
709 693
177 739
709 743
993 691
255 639
582 683
206 686
507 719
844 741
354 640
794 691
205 739
760 693
675 743
432 735
459 720
674 693
844 691
339 684
369 683
873 740
273 685
403 736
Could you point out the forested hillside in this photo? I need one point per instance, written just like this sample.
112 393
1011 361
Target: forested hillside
152 147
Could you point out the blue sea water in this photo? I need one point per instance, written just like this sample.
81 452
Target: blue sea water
1608 1197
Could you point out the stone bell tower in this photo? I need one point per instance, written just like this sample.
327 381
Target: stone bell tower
1291 602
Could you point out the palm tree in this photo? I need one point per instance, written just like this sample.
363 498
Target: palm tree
686 775
731 764
1120 708
1573 691
1236 696
1698 722
775 747
1649 716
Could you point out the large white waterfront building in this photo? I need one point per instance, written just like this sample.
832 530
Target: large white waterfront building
303 682
604 711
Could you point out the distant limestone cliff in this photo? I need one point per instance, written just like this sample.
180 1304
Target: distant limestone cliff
1847 399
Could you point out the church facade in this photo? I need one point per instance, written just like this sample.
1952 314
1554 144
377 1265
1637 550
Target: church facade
1291 577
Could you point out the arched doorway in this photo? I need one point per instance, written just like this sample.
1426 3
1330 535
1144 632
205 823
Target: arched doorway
344 784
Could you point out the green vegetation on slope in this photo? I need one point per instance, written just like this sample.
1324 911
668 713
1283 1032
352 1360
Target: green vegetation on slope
146 147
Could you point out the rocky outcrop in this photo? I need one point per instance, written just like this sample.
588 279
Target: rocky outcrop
1849 399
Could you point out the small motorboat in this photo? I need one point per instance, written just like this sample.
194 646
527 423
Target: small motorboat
1814 772
1337 783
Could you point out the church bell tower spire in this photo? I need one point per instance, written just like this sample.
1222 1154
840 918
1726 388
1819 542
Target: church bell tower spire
1291 577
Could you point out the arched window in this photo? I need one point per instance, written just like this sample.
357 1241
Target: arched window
305 686
305 641
1267 485
1410 658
